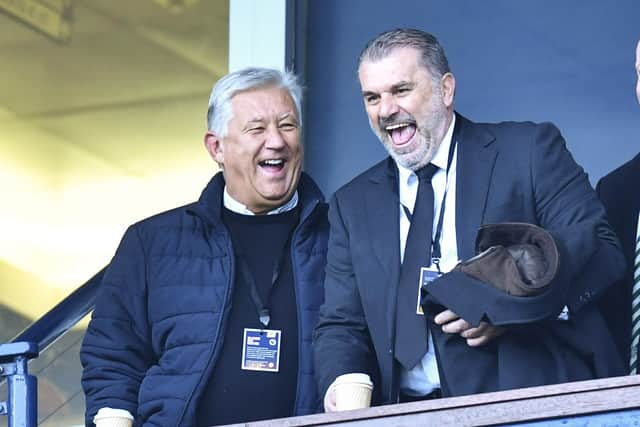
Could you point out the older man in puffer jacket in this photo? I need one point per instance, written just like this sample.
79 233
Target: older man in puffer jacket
206 312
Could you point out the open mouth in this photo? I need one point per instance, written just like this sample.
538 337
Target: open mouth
272 165
401 133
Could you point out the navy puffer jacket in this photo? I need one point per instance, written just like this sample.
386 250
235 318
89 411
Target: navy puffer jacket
160 315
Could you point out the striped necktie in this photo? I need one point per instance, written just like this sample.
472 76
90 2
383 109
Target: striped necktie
635 310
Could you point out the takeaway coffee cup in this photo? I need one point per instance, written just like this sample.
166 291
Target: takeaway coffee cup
112 421
353 391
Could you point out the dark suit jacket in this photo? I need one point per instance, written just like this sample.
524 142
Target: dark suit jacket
518 172
619 194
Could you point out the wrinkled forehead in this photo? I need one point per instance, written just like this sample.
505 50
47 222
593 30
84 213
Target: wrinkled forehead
402 64
263 100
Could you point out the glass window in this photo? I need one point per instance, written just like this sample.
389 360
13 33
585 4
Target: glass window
102 117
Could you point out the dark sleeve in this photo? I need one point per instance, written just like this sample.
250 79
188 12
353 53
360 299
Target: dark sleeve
599 186
116 351
567 206
605 188
341 340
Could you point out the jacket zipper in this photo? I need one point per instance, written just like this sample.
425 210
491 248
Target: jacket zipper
296 280
217 331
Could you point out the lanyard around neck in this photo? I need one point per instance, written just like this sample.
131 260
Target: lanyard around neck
436 251
261 306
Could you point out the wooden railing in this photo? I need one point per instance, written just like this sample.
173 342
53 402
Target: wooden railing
601 399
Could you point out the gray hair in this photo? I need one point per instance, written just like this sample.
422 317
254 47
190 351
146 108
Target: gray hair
432 54
219 112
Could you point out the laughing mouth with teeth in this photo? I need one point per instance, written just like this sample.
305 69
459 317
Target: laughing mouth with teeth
401 133
272 164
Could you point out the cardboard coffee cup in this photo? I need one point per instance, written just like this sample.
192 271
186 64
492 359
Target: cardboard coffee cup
112 421
353 391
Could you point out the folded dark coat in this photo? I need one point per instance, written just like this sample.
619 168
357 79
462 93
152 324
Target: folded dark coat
518 258
535 335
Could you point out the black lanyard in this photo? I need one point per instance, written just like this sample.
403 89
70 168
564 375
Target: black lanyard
436 252
247 275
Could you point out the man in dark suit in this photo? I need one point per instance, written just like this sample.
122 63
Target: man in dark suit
480 339
622 202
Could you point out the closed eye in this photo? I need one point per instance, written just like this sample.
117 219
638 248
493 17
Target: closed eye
288 126
402 89
371 98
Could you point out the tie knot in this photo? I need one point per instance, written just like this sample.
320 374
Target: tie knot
426 172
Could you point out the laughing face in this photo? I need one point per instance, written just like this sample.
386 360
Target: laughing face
408 111
261 155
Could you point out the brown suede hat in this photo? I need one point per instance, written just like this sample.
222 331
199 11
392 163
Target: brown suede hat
518 258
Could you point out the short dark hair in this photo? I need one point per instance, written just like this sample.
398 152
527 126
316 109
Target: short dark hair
431 52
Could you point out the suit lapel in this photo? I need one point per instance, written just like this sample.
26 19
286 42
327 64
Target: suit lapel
629 205
475 161
635 177
383 223
382 206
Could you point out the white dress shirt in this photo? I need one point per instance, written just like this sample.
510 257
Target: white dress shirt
424 378
235 206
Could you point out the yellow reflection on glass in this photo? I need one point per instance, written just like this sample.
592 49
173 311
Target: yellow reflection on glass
61 231
98 133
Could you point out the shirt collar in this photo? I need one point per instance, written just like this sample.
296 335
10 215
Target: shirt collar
440 159
235 206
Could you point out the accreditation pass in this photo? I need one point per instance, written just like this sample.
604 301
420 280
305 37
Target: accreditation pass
261 350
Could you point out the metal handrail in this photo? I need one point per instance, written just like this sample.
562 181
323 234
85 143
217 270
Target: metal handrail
21 407
53 324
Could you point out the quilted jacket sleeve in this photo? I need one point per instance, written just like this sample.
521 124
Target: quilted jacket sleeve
116 351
